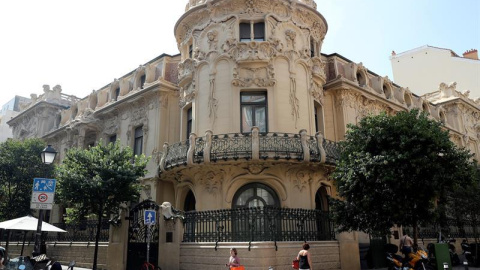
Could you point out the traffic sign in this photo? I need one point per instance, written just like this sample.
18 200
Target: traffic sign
44 185
42 197
149 217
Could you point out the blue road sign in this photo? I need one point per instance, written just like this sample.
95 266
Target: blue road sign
44 185
149 217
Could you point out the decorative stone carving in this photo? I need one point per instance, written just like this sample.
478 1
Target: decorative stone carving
111 125
246 77
316 90
210 180
212 101
294 102
186 69
212 39
290 36
187 94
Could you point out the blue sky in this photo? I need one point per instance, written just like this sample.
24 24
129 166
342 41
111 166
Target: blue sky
84 45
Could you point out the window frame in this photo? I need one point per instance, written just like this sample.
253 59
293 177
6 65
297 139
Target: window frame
136 139
255 105
256 31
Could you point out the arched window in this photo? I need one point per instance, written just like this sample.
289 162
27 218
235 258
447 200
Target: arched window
249 218
190 202
361 79
322 221
255 195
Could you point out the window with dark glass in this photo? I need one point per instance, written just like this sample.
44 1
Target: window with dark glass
117 93
312 48
138 143
250 201
190 51
253 111
189 122
112 138
142 81
252 31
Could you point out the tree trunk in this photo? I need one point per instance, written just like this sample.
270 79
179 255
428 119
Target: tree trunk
97 238
415 233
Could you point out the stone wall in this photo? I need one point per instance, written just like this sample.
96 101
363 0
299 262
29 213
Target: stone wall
80 252
325 255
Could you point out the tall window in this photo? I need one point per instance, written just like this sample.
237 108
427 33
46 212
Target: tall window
190 51
189 122
112 138
253 111
252 31
117 93
138 143
318 118
142 81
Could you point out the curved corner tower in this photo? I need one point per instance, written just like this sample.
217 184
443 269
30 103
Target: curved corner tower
250 63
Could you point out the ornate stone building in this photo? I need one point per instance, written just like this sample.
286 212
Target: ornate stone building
241 127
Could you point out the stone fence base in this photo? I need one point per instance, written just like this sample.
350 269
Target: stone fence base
64 252
325 255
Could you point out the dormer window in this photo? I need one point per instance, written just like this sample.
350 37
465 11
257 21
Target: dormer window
117 93
142 81
252 31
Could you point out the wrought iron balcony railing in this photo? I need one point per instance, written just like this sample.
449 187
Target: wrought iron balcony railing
250 146
257 224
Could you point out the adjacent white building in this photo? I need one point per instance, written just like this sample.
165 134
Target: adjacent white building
424 68
7 112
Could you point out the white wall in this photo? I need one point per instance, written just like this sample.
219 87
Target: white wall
423 69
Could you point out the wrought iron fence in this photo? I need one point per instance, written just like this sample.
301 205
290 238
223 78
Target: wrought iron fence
257 224
451 228
76 232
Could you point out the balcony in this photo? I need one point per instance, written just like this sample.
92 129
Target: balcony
250 146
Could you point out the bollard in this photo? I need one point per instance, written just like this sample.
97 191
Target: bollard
445 266
465 263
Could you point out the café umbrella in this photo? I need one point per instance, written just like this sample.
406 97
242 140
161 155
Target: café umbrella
27 223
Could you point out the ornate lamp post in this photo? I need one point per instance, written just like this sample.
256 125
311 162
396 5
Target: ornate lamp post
48 156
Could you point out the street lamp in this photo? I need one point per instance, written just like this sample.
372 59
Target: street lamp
48 156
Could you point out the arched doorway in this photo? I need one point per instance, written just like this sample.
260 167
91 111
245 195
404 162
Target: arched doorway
188 206
322 219
251 218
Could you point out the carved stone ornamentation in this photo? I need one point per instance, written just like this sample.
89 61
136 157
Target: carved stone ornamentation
187 94
246 77
294 102
111 125
212 101
212 40
211 181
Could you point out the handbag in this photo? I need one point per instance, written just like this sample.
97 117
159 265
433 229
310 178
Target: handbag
295 264
240 267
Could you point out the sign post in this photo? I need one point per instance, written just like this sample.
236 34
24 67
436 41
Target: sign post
42 199
149 220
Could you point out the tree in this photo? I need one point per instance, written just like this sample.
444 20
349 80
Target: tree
99 180
20 163
391 171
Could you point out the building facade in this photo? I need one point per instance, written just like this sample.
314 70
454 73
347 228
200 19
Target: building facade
8 111
242 128
423 69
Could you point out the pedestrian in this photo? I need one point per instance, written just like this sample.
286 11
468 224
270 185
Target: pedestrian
54 265
3 258
406 244
304 258
233 261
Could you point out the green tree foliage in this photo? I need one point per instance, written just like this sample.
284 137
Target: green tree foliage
463 204
20 163
99 180
392 170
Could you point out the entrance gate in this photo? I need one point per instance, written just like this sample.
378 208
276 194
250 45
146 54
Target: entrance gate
137 236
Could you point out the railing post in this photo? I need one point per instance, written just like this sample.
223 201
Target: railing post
323 154
191 148
208 146
255 143
164 156
303 140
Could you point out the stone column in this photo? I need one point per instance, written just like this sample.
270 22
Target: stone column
349 251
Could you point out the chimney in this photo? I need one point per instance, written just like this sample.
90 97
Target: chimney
471 54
